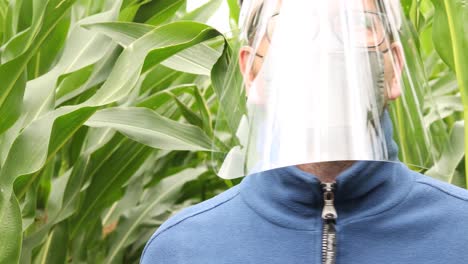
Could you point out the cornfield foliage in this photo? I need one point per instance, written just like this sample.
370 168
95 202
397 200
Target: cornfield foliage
107 110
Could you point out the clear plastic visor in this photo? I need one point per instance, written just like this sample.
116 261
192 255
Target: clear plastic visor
320 78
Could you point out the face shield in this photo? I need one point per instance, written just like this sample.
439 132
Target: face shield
320 79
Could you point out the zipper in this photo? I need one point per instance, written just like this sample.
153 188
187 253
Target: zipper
329 216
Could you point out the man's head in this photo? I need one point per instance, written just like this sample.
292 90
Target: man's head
319 75
385 12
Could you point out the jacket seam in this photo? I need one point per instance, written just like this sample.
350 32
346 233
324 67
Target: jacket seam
443 190
187 217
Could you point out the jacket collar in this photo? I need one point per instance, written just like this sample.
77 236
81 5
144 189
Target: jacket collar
292 198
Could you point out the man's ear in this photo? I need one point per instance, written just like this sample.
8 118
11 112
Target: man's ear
244 56
398 62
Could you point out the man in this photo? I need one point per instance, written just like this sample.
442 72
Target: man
324 184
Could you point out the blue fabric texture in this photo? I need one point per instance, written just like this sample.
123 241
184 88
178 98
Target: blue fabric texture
387 213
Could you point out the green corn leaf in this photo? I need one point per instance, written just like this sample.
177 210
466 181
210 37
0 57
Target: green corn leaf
163 195
451 42
38 143
148 127
12 73
453 153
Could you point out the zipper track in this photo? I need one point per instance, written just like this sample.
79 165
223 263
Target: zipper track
329 216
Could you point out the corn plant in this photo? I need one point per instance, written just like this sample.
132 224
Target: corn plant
440 30
107 112
105 118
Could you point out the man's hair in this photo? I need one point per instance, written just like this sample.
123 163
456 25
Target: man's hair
253 20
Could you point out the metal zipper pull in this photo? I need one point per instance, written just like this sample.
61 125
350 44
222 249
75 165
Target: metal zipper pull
329 211
329 217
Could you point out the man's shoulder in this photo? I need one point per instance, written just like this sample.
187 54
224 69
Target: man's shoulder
215 203
192 219
441 188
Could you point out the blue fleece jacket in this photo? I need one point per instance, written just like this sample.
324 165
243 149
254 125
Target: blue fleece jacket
386 214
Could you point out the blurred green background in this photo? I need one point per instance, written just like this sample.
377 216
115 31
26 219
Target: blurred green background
107 111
